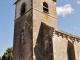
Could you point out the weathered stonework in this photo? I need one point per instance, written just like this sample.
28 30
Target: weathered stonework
25 49
44 46
64 46
42 39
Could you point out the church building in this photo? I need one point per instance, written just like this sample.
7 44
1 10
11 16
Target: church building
36 33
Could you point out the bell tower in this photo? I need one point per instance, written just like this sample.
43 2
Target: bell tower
29 14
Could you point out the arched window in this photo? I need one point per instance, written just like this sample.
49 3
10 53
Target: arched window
45 7
22 37
23 8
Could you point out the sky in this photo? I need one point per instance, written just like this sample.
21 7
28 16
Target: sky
7 13
68 14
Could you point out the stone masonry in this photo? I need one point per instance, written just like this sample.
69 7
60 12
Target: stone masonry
36 33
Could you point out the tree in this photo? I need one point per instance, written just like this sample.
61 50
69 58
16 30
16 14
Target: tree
8 55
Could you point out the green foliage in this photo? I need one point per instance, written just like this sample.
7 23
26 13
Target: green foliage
8 55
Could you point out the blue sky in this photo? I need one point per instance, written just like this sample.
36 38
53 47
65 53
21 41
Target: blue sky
7 11
69 16
68 12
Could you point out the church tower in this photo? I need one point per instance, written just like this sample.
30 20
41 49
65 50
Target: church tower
29 14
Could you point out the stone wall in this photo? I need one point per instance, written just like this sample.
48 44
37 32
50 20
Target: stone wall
44 45
39 16
41 40
18 7
66 46
23 51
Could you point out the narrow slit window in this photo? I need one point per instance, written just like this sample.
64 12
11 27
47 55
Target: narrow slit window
23 9
22 37
45 7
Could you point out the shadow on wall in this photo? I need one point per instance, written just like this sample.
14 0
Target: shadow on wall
70 51
44 47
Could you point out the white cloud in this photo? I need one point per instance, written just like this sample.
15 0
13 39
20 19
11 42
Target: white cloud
78 2
77 28
64 10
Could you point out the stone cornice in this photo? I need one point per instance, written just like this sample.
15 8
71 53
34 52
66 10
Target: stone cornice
67 35
16 1
22 15
54 0
43 13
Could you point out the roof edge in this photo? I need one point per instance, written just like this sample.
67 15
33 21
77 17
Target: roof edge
16 2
